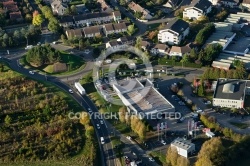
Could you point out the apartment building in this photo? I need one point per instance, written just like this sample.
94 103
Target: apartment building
174 32
197 8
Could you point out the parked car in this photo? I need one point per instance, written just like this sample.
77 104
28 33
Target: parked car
31 72
151 159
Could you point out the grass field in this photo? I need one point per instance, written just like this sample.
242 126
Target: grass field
74 63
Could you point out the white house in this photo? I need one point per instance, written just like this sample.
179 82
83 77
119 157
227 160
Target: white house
58 7
183 147
246 4
230 3
197 8
174 32
159 49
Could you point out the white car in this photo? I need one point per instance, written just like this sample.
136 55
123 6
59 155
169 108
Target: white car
0 57
128 137
151 159
98 126
89 110
163 142
71 91
31 72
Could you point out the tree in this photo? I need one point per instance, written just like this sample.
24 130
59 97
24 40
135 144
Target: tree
201 89
212 153
142 131
122 114
38 1
179 13
47 12
7 119
193 54
221 15
204 33
185 59
73 9
122 2
28 17
85 119
138 42
152 35
53 25
131 29
172 156
138 15
203 19
37 20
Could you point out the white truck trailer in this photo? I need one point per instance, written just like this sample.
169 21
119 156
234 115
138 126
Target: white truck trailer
80 89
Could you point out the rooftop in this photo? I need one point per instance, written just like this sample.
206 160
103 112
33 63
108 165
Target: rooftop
161 46
91 30
144 98
183 144
74 32
183 50
201 4
66 19
177 25
230 89
15 15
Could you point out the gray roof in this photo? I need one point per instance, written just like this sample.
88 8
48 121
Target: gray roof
66 19
127 39
109 27
235 1
177 25
120 26
161 46
117 13
91 15
230 89
201 4
182 144
114 43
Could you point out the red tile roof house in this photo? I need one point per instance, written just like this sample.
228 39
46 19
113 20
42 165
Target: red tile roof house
16 16
10 6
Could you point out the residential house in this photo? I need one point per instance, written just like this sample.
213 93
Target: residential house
10 6
137 8
246 4
230 3
92 31
74 33
16 16
114 44
159 49
58 7
117 16
66 21
104 6
89 18
127 40
197 8
145 45
174 32
179 51
108 29
120 27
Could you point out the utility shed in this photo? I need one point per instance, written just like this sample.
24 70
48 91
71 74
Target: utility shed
184 147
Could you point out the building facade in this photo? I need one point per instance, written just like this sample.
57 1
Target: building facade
174 32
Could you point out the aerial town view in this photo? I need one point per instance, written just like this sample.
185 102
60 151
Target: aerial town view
124 82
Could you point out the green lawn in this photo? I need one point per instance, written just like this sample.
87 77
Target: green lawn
160 158
74 63
240 125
